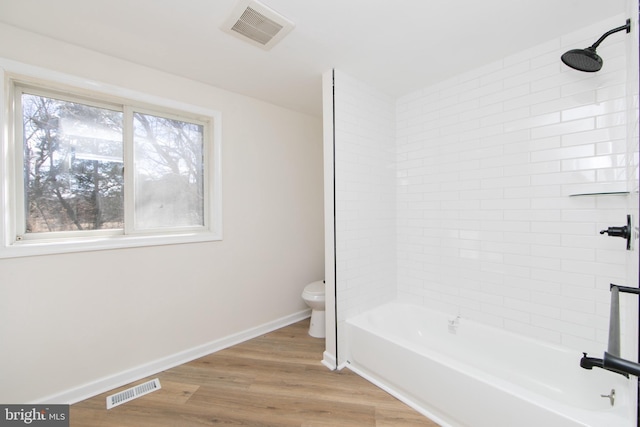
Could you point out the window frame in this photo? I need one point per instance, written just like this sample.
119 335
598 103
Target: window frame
18 77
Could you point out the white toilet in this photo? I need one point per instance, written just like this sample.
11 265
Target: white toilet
313 295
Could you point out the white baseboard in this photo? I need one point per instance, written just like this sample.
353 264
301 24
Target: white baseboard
329 361
343 365
105 384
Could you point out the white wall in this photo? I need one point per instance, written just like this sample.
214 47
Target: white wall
364 198
77 320
488 162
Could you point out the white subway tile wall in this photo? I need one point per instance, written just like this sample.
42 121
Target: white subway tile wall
488 166
365 197
478 214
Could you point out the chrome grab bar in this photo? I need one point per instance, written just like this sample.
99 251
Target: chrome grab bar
612 360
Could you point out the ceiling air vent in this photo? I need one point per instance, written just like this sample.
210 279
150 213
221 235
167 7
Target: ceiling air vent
257 24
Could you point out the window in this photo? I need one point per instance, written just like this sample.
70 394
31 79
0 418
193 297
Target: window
72 166
95 171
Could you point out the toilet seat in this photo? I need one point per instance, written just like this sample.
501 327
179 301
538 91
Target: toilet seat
314 291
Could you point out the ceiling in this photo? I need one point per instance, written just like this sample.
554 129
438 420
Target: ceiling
397 46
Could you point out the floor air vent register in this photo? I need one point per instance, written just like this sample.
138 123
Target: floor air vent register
132 393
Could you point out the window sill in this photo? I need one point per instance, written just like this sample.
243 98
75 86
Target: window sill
88 244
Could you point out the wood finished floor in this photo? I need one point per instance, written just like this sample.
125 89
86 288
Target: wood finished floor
273 380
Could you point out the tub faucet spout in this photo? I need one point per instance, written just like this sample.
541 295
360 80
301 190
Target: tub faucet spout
589 362
610 363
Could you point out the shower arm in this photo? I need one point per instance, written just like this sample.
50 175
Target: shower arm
627 27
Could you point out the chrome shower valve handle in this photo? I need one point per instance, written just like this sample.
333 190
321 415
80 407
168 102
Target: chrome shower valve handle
611 396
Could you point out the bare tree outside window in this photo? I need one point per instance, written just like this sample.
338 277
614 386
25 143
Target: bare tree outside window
73 166
169 172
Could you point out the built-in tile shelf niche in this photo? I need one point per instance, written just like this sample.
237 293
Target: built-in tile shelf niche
609 193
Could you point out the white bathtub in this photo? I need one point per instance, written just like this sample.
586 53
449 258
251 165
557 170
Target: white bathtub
481 376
